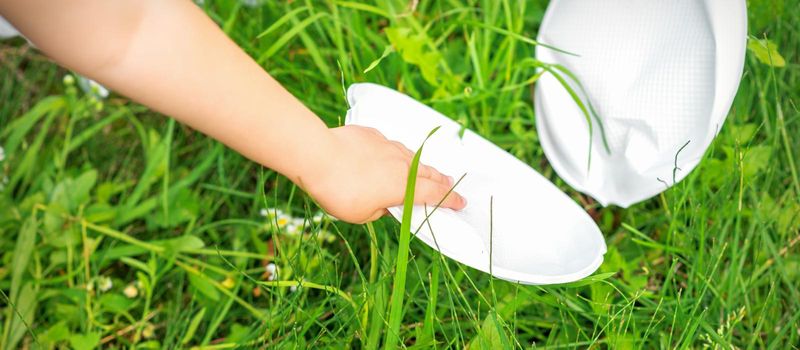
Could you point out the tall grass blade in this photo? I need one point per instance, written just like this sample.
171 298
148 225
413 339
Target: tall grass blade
399 287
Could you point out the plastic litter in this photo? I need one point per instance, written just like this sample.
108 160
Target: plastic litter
6 29
661 76
534 233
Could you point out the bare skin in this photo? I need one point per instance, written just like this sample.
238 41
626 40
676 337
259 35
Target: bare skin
168 55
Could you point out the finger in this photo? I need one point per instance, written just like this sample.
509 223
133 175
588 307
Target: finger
430 193
374 132
403 149
433 174
424 170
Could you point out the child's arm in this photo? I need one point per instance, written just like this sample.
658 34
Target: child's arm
168 55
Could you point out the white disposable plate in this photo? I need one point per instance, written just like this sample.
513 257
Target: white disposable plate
6 29
534 233
659 74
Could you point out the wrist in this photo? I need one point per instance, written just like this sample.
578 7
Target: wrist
314 160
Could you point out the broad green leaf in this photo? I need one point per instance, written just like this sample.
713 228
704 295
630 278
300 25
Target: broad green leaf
413 48
115 303
183 243
56 333
491 335
755 160
58 234
104 192
766 51
100 212
238 333
86 341
80 187
204 287
22 254
742 134
25 305
183 206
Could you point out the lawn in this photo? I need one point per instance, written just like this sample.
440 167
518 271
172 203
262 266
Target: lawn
120 228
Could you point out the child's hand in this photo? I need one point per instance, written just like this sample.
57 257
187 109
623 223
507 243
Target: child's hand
368 173
171 57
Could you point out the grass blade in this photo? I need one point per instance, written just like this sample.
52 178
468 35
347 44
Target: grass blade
399 287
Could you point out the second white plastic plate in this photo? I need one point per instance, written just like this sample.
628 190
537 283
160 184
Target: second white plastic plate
661 76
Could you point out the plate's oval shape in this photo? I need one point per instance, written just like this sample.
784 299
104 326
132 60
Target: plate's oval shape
534 233
661 77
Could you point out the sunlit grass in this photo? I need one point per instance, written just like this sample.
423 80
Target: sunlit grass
121 229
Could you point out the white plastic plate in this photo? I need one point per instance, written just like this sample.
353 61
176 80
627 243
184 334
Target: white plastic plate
534 233
659 74
6 29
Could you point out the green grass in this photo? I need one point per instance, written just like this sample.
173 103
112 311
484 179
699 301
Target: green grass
116 192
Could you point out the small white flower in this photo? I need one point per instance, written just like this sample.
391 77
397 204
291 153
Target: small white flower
318 217
272 269
293 289
2 154
130 291
292 229
282 220
104 284
271 213
295 226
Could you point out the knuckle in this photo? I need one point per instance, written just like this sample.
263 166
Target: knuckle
376 132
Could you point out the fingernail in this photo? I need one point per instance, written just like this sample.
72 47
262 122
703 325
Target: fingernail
450 181
463 202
